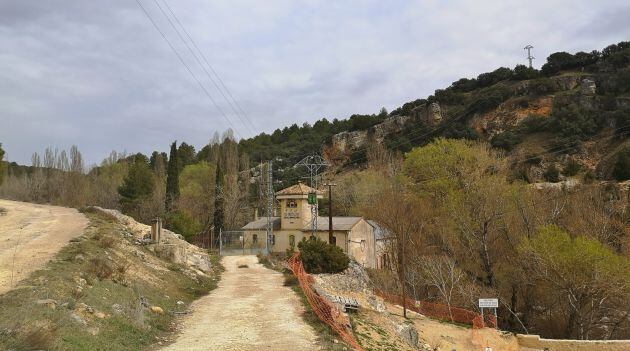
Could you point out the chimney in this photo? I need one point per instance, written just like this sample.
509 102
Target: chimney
256 214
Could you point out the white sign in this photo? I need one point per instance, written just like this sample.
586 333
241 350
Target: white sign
489 303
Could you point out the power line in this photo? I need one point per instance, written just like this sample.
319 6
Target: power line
186 66
203 56
192 52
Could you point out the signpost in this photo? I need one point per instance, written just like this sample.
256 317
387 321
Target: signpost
489 303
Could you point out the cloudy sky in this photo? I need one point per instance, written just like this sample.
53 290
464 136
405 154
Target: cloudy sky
99 75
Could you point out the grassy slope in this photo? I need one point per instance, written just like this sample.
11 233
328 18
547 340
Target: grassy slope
69 325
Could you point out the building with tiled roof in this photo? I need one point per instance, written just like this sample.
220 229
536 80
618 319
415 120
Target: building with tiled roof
354 235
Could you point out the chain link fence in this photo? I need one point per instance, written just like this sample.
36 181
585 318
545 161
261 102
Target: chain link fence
242 242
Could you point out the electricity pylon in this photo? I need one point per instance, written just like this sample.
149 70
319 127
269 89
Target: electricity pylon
530 58
313 163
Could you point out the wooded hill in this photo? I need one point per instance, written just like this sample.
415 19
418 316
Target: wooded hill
575 110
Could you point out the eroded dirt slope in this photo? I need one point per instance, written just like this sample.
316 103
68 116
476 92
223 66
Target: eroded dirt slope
30 234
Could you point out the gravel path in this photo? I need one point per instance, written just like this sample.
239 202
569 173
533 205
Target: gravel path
250 310
30 235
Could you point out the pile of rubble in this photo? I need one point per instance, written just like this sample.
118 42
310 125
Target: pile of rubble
354 282
171 246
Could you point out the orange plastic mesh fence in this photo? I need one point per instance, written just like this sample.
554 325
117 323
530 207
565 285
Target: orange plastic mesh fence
325 310
440 311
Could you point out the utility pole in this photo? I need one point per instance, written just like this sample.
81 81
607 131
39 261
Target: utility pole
530 58
313 163
330 216
269 205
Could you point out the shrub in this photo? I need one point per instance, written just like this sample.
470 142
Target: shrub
184 224
552 174
290 280
571 168
542 86
320 257
506 140
100 268
621 171
106 242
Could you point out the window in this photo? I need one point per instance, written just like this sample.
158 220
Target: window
292 241
255 238
291 204
334 240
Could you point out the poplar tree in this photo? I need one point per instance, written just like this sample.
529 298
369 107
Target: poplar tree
2 166
218 200
172 178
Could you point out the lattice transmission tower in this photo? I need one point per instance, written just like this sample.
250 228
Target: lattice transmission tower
530 58
313 163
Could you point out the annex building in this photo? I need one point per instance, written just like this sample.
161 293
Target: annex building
354 235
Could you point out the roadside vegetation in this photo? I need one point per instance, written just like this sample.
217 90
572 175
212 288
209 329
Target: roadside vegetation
101 292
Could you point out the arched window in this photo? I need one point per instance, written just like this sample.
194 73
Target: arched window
292 241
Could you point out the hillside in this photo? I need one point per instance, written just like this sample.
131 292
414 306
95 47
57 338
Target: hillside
571 117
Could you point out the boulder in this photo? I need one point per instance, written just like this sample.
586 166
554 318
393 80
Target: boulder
408 332
48 303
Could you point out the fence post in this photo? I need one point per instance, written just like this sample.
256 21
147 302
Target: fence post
220 242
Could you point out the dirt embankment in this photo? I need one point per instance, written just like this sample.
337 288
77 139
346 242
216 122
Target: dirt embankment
30 235
250 310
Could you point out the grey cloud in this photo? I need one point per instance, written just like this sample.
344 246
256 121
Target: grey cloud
97 74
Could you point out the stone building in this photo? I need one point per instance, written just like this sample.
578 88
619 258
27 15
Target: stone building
354 235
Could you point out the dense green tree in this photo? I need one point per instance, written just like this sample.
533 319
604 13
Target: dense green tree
522 72
158 161
582 279
182 223
558 61
186 155
197 191
172 178
137 186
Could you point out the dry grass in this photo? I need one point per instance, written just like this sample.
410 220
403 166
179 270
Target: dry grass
100 268
106 242
96 280
39 336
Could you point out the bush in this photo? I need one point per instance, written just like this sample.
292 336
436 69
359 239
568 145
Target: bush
184 224
552 174
100 268
290 280
106 242
621 171
571 168
506 140
320 257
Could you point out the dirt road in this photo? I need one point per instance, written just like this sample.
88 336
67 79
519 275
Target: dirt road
250 310
30 235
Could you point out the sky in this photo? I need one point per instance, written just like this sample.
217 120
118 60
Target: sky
99 75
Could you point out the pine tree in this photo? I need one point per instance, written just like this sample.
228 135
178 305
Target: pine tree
172 178
138 185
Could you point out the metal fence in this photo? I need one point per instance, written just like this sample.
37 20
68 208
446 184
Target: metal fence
239 242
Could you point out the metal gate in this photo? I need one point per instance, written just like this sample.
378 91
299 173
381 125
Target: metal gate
239 242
